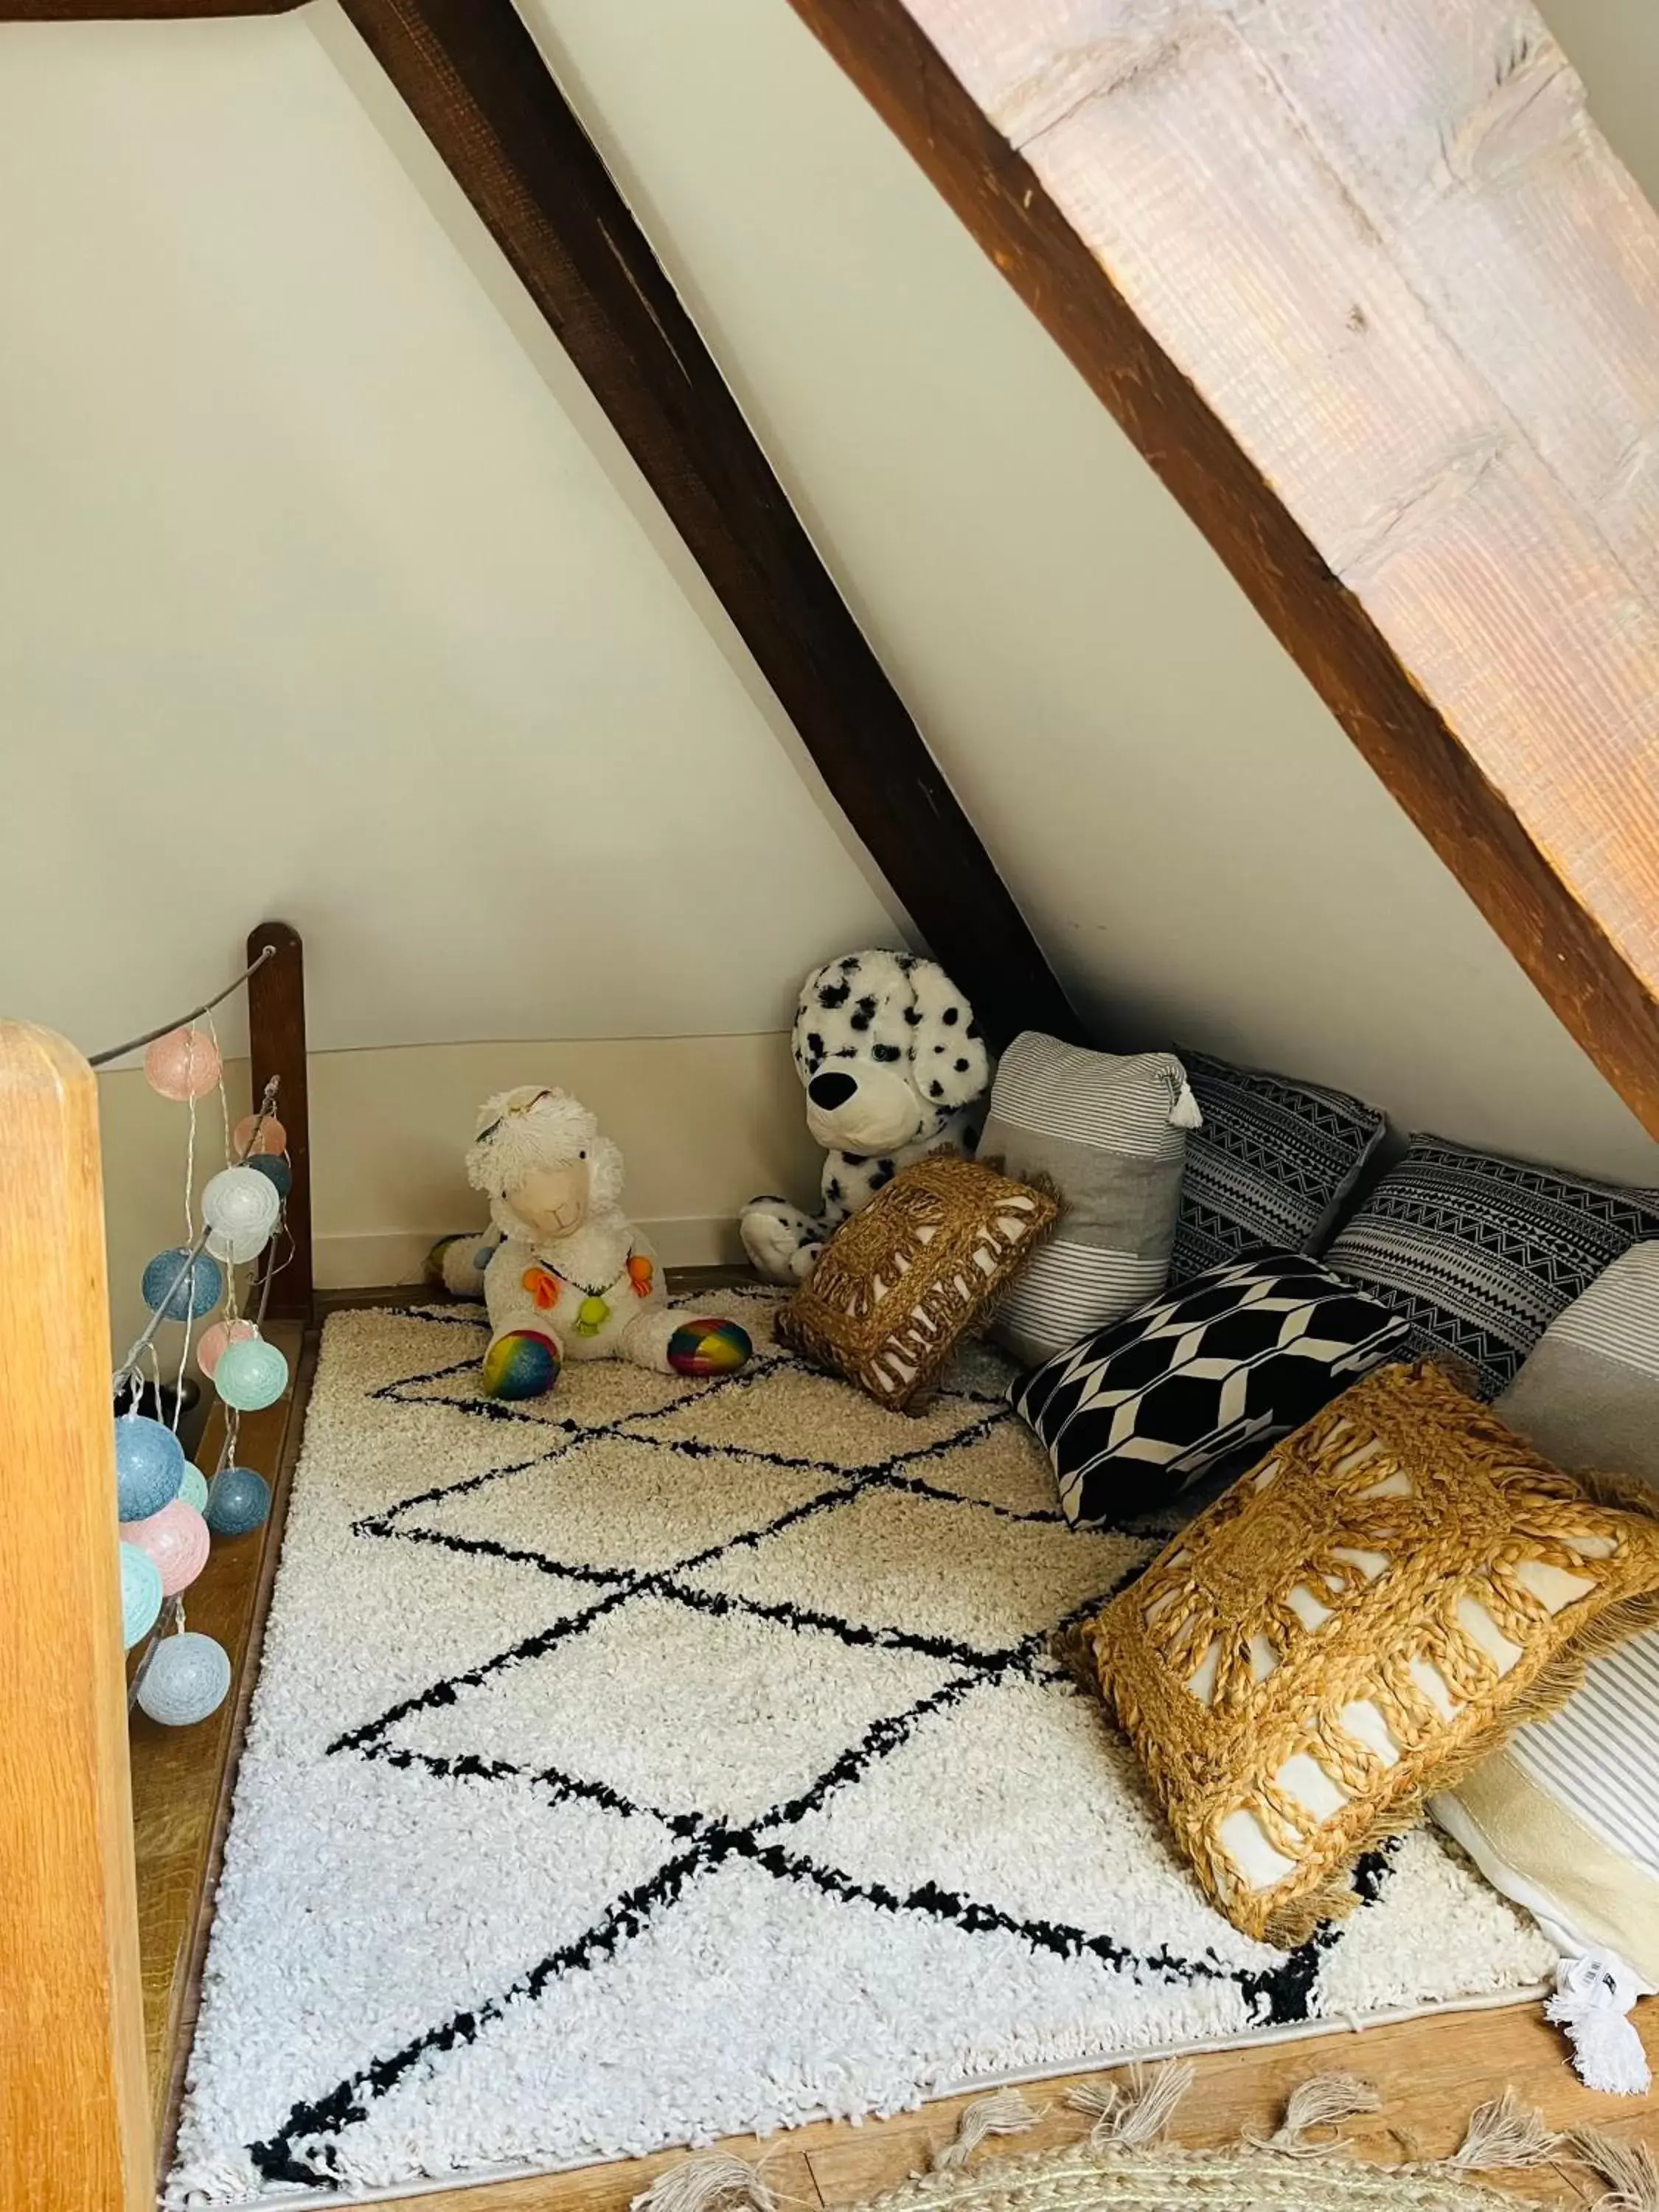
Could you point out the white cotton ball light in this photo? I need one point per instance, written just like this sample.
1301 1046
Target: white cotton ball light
240 1209
186 1680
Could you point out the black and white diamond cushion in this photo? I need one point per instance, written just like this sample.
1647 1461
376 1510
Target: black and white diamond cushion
1212 1372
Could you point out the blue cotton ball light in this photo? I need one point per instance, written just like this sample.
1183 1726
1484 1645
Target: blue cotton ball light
251 1374
187 1678
141 1595
240 1209
198 1291
238 1502
149 1467
277 1168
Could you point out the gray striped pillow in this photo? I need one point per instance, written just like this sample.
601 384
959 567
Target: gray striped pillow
1565 1819
1110 1133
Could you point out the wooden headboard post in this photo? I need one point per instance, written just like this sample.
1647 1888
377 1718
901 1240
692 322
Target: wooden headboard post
74 2119
277 1046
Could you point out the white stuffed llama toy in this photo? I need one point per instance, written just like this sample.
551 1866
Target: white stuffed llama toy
572 1278
893 1063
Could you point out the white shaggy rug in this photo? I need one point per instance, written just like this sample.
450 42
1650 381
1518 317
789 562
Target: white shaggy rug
666 1760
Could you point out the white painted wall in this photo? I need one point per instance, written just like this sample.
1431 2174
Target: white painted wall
1204 854
1614 46
318 604
329 593
703 1121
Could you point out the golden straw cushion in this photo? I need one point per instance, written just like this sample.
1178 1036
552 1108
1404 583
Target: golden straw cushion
899 1283
1372 1607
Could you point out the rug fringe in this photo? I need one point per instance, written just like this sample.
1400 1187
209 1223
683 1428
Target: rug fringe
1320 2102
1629 2169
1503 2133
715 2177
1003 2112
1129 2118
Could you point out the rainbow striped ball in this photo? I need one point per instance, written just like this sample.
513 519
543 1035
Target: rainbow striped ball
710 1347
523 1363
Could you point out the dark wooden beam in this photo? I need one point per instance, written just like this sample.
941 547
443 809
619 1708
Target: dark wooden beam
277 1046
475 80
1367 289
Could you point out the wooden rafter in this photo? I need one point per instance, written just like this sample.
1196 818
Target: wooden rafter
476 82
1373 296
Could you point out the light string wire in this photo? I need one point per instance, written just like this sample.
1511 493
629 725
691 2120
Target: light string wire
119 1051
172 1620
199 1243
190 1231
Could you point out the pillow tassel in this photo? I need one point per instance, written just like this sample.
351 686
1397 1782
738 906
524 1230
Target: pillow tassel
1593 1998
1185 1114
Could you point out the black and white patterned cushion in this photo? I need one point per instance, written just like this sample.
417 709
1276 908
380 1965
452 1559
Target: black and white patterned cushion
1271 1165
1478 1254
1215 1372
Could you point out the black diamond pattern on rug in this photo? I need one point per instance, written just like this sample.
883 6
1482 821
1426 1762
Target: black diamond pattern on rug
912 1655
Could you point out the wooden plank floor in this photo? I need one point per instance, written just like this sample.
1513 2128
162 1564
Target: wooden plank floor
1433 2072
182 1777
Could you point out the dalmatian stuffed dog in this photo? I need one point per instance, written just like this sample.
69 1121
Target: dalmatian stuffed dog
892 1060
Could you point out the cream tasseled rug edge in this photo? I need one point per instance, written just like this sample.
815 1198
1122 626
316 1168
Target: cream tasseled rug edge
1124 2164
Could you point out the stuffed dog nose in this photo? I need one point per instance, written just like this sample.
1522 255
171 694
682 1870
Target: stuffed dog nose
830 1090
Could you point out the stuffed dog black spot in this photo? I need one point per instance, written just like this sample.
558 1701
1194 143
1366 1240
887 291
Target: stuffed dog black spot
892 1061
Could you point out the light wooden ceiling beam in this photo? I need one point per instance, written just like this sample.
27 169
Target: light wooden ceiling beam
1369 290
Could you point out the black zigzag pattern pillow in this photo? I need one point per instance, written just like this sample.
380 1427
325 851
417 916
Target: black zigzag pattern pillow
1215 1372
1270 1167
1478 1254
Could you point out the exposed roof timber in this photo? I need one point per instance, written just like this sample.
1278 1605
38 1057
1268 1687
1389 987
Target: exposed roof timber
1375 300
476 82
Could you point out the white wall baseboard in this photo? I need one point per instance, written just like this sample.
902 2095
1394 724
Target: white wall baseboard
371 1260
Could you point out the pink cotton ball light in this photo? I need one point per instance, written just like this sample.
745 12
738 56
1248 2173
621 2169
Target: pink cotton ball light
183 1064
176 1539
273 1137
213 1341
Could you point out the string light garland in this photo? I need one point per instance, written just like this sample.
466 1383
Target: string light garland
169 1512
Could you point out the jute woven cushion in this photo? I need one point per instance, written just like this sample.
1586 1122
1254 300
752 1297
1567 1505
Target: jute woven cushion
900 1282
1372 1607
1566 1818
